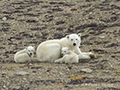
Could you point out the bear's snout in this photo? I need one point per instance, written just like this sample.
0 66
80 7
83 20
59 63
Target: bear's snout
62 54
74 44
30 53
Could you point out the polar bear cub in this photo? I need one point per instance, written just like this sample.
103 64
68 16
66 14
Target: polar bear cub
51 50
24 55
68 56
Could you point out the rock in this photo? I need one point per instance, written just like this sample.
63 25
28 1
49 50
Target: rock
21 73
90 12
96 5
101 36
4 86
66 12
4 18
7 83
87 70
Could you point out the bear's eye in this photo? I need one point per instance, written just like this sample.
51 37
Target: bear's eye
76 39
71 39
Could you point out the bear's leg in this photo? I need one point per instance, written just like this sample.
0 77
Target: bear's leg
83 56
77 51
75 60
86 53
92 55
61 60
72 59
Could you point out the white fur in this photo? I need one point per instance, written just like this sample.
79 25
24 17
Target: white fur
68 56
51 50
24 55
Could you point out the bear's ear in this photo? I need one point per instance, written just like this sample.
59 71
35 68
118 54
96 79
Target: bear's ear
67 36
79 34
34 47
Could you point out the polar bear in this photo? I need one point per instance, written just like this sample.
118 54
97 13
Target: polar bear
24 55
51 50
68 56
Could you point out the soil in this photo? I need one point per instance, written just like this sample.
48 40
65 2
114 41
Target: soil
30 22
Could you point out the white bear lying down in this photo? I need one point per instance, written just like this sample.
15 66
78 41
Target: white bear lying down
24 55
51 50
68 56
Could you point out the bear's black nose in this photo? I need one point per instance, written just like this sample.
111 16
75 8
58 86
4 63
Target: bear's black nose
74 44
30 53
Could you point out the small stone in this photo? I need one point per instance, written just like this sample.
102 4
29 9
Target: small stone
90 17
118 13
103 0
118 40
24 79
21 73
30 64
8 84
87 70
96 5
4 86
66 12
4 18
101 36
90 12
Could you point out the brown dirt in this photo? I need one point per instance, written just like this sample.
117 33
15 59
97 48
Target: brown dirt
30 22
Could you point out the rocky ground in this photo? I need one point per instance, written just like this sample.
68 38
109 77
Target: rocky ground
30 22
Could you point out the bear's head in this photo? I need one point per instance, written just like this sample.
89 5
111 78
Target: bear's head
30 50
74 39
65 50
